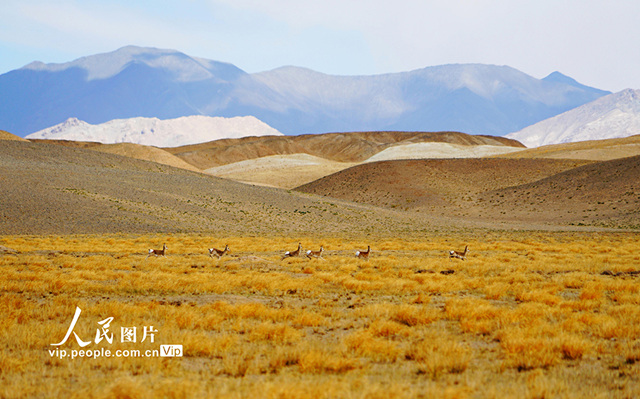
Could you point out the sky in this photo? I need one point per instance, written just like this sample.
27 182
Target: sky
592 41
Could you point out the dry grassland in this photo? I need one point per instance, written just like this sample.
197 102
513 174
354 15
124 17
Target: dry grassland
527 315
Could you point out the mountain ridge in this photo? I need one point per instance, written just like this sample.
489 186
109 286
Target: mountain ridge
167 84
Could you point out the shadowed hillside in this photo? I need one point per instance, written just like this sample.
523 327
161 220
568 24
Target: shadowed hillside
430 184
605 194
548 191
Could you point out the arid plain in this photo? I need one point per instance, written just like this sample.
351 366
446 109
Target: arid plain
546 303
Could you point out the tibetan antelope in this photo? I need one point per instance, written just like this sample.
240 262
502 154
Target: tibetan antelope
219 253
364 254
158 252
459 255
315 254
294 254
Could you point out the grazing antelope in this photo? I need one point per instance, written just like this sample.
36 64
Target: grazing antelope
158 252
459 255
295 253
364 254
315 254
219 253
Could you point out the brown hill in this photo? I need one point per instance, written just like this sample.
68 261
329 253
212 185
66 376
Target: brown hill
137 151
340 147
603 194
540 191
4 135
146 153
69 143
54 189
430 184
595 150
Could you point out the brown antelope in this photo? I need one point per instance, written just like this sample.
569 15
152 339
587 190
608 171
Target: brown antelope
295 253
315 254
158 252
364 254
459 255
219 253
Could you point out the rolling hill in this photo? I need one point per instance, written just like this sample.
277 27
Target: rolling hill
56 189
283 171
603 194
8 136
546 191
290 161
339 147
77 189
431 184
595 150
146 153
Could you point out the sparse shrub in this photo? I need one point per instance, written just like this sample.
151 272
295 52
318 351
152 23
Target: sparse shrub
436 357
364 343
317 361
573 347
414 315
278 333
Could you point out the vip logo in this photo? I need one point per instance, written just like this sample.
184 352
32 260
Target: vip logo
171 351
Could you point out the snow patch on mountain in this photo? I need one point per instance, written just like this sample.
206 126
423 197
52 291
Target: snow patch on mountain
613 116
159 133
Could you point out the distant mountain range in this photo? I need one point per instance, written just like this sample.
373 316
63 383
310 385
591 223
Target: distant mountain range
166 84
613 116
159 133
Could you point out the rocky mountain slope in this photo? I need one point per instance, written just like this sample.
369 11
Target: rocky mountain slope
612 116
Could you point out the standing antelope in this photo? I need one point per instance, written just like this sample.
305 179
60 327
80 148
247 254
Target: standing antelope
364 254
158 252
315 254
219 253
295 253
459 255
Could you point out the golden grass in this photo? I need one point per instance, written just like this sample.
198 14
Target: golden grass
526 315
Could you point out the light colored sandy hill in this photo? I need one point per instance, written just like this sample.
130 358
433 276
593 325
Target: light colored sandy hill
594 150
8 136
284 171
440 150
145 153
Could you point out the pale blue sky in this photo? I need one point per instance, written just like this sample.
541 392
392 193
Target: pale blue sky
593 41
